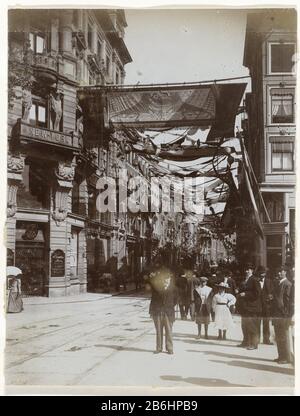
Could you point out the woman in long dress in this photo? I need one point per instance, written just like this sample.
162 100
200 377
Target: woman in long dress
15 303
221 304
202 306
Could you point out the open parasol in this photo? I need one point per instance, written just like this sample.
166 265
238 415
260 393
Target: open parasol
13 271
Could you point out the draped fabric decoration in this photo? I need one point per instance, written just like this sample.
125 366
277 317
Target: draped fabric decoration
245 203
186 131
162 106
211 106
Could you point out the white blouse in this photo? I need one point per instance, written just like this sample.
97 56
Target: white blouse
204 293
225 298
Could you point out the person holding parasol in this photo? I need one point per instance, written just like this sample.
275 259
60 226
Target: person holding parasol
15 303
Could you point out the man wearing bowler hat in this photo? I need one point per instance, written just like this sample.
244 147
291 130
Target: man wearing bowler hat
249 306
162 305
267 296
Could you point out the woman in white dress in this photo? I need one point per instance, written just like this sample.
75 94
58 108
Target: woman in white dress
221 304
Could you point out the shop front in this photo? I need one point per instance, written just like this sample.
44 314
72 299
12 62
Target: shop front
31 256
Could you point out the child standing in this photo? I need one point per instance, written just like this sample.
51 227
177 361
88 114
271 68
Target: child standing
221 304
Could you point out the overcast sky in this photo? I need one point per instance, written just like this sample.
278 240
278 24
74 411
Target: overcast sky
184 45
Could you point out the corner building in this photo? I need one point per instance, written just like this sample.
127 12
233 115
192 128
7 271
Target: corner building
270 132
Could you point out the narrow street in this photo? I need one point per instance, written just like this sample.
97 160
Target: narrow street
97 340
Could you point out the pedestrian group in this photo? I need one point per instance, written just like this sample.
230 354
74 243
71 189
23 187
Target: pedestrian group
260 300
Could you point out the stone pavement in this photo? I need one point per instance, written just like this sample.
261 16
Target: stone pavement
96 341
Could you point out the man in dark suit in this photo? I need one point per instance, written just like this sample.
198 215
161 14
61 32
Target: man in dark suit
162 306
266 286
281 316
182 292
249 306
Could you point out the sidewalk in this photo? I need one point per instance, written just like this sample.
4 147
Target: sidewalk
82 297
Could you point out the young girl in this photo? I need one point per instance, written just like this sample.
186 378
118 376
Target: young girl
221 304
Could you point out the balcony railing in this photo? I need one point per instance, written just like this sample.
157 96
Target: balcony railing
45 61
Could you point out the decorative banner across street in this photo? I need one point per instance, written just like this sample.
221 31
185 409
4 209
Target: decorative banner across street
213 106
162 106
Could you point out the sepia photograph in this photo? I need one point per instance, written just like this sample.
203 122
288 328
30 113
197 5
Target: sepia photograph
151 200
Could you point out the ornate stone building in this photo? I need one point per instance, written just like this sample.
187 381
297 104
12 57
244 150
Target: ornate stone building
53 231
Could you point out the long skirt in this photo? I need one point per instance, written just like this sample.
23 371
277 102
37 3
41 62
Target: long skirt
223 318
202 317
15 303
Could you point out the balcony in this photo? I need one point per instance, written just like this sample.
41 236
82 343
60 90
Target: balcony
27 133
46 65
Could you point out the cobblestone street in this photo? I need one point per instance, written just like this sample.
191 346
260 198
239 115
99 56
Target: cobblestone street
97 340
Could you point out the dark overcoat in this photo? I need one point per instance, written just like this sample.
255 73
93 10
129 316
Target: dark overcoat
250 305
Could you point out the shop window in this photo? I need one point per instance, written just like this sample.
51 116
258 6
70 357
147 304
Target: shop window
281 57
282 156
37 42
38 115
34 191
274 251
274 202
31 257
282 105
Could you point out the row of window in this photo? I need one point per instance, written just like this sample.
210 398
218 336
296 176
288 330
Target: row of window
281 105
39 43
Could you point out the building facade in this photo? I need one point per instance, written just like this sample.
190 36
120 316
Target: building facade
54 233
269 131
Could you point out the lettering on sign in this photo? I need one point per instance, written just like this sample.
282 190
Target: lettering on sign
46 135
58 263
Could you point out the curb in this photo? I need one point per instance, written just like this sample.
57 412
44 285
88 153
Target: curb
65 300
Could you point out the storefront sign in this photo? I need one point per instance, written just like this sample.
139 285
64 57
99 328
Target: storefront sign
58 263
49 136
